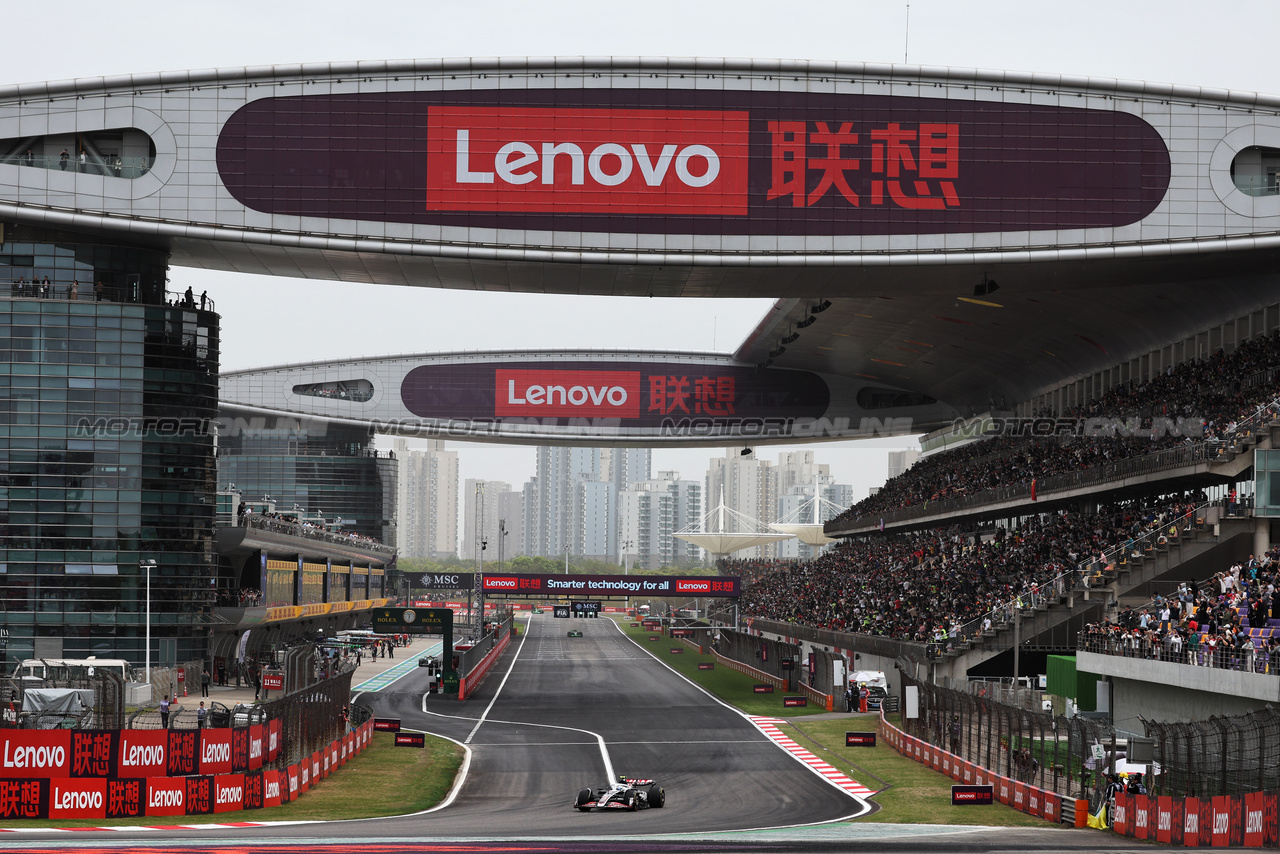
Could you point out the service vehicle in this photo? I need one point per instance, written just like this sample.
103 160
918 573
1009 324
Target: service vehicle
626 794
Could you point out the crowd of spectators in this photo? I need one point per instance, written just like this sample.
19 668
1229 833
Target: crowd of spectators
941 585
243 598
293 524
1224 622
1207 390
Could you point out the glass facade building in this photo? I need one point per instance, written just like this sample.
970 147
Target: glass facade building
107 401
311 465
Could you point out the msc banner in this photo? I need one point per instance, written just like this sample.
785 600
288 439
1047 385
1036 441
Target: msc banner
521 584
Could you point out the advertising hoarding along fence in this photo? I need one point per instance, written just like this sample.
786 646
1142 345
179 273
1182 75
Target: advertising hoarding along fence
224 784
535 584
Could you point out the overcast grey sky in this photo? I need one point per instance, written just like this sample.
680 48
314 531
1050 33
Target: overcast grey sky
270 320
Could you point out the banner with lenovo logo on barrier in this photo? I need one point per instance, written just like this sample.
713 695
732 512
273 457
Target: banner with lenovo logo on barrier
78 798
271 788
35 753
257 747
166 796
253 791
215 751
127 798
146 761
228 793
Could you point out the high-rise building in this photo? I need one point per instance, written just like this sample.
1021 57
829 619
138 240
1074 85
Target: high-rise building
650 513
428 500
748 486
108 398
900 461
562 513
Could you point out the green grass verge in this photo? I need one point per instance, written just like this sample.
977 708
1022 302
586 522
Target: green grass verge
915 794
909 792
383 780
729 685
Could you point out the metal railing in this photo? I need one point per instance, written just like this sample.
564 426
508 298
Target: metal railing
1191 652
1155 539
297 529
110 167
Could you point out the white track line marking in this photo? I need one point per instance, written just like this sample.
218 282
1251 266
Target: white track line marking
859 799
604 750
769 726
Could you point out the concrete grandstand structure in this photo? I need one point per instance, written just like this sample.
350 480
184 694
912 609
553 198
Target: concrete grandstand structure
941 243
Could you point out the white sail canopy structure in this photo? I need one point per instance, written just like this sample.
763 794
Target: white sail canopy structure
721 541
810 533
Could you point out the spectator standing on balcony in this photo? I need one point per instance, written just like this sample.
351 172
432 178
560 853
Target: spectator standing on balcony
84 160
73 293
62 160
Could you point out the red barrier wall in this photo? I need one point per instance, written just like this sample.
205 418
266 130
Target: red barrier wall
70 789
1251 820
469 682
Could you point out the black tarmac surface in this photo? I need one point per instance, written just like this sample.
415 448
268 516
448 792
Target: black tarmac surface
557 714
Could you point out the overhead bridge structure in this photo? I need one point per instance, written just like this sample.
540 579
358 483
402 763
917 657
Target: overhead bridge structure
939 241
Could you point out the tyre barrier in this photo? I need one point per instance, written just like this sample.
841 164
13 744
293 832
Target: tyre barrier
104 774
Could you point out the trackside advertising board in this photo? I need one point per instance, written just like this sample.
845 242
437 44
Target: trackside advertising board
523 584
140 753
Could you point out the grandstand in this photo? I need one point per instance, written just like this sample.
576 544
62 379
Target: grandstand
1124 517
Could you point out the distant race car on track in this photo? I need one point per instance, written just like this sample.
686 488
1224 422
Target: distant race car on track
575 633
626 794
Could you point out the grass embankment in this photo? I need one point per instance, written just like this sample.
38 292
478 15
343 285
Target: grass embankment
733 687
909 792
914 794
383 780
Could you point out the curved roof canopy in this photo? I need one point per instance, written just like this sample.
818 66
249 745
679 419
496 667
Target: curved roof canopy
970 237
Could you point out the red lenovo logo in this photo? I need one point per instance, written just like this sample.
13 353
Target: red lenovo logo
491 583
576 394
687 162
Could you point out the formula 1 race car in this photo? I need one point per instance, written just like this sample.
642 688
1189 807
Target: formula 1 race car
575 633
626 794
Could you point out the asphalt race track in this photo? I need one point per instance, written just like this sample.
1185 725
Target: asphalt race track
557 714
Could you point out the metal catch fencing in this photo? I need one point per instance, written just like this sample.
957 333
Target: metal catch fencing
107 711
310 718
1051 753
1227 755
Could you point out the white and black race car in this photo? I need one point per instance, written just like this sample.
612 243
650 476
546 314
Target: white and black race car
626 794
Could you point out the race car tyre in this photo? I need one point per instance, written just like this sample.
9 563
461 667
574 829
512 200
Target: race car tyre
584 797
657 796
630 801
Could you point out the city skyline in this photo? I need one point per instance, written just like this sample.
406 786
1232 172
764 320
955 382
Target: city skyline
615 491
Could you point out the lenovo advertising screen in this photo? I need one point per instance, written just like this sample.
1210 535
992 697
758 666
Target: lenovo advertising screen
728 161
648 395
540 584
